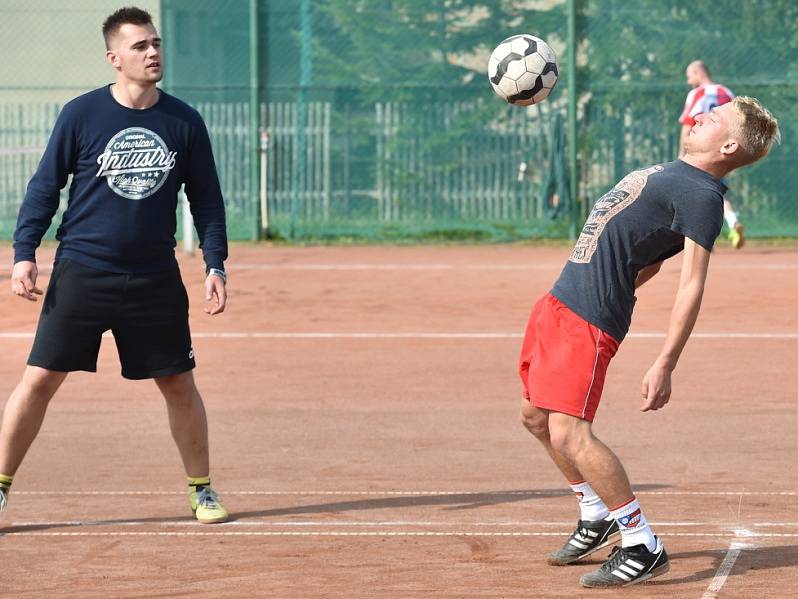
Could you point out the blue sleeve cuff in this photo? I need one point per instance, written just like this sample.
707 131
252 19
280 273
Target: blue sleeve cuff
24 255
213 263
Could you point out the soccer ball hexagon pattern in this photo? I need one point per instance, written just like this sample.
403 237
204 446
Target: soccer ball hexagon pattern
523 70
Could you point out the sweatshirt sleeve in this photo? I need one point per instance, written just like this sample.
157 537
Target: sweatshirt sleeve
43 193
205 199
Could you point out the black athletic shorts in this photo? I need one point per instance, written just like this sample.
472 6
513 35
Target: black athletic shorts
147 314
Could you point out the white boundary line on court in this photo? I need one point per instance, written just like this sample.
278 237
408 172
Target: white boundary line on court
338 533
395 266
420 267
726 565
445 267
566 527
410 266
422 335
416 493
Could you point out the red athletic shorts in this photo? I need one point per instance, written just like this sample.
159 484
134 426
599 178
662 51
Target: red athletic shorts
564 360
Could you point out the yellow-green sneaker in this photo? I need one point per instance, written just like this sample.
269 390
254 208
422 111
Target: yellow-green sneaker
206 506
737 236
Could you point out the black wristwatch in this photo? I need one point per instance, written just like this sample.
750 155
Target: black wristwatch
219 273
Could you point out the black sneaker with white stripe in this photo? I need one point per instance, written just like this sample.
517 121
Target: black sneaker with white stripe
589 536
627 566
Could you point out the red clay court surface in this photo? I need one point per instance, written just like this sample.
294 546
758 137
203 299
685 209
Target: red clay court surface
363 417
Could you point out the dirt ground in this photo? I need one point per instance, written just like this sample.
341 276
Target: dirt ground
363 408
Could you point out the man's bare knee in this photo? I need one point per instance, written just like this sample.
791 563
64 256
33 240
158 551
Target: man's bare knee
535 420
177 388
40 383
569 435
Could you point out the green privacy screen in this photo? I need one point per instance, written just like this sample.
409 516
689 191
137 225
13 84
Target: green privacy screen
375 119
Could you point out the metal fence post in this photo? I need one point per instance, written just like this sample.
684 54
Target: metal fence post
572 98
300 176
254 119
264 196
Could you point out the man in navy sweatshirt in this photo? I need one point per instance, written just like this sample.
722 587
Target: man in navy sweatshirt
129 148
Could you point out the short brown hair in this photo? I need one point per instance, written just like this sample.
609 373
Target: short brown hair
757 129
129 14
701 66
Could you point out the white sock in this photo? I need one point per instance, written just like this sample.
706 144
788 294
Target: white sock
731 218
591 507
634 526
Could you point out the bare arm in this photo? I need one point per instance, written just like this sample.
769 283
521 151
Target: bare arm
682 138
647 273
656 388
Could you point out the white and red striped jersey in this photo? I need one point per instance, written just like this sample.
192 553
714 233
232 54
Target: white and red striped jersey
703 99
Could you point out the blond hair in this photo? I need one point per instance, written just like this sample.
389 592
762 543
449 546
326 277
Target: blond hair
756 130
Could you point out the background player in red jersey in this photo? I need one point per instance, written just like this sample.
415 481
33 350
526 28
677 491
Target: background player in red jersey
706 95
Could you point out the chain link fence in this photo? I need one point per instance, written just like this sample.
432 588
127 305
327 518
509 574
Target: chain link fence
633 57
374 120
52 52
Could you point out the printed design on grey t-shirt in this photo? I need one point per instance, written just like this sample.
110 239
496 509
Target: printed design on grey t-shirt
136 162
610 204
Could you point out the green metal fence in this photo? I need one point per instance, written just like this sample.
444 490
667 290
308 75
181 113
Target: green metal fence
333 118
370 134
24 130
631 83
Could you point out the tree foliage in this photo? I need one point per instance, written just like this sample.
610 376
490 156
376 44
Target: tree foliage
403 49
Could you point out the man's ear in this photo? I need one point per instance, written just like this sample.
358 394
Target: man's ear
730 147
112 58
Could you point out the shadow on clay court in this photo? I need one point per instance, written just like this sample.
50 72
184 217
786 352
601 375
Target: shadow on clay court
454 501
7 530
752 558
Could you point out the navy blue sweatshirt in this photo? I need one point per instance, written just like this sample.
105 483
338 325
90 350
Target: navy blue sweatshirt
127 167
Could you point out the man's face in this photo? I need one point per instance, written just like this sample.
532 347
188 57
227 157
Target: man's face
692 76
711 130
136 52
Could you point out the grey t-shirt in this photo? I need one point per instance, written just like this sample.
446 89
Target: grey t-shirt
642 220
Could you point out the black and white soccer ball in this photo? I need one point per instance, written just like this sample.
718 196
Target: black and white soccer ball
523 70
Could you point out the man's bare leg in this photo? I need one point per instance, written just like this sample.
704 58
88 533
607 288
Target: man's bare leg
536 421
24 413
187 421
189 426
595 528
573 438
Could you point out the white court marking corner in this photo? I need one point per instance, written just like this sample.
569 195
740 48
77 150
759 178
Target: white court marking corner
725 568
